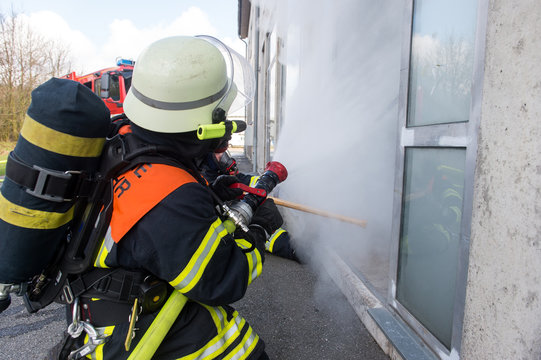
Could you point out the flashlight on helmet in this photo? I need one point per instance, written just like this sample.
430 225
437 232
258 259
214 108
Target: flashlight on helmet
216 131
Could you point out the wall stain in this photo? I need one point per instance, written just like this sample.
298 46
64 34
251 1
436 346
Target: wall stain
531 299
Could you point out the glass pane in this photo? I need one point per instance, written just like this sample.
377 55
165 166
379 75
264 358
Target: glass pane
272 107
442 49
114 88
429 239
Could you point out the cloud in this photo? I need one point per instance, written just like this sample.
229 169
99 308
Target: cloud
126 40
123 38
53 27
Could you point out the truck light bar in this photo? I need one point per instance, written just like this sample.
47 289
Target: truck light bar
120 62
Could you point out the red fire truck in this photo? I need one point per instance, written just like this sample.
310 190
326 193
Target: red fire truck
110 84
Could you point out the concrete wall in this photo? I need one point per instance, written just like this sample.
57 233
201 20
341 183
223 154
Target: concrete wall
503 300
503 304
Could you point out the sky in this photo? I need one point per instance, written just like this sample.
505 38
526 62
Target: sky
97 32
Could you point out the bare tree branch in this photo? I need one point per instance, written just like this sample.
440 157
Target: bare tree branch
26 60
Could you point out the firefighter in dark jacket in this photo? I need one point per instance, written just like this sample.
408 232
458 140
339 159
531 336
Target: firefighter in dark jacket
221 163
165 224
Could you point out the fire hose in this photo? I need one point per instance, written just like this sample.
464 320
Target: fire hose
307 209
241 212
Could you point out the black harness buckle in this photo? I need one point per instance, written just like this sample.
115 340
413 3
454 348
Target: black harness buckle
44 176
51 185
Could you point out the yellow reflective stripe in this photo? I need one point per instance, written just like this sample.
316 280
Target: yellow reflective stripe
159 328
457 212
105 249
451 192
450 169
246 346
97 354
443 231
220 342
32 219
218 316
243 244
253 257
191 274
269 244
223 315
102 255
59 142
253 180
259 266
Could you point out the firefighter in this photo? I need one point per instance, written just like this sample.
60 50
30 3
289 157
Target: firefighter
220 163
180 263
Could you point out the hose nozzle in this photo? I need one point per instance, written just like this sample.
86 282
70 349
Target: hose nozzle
242 211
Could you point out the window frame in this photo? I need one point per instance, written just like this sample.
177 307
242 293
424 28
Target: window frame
275 92
448 135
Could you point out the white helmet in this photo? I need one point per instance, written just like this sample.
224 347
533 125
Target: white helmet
178 83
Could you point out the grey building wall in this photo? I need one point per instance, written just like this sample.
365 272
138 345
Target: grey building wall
502 318
503 305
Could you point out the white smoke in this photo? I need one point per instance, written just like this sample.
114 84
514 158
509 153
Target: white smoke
339 132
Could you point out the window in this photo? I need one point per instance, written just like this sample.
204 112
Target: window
114 87
271 97
439 116
273 94
97 87
441 66
430 236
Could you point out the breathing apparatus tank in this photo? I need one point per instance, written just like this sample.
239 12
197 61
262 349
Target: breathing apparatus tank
59 146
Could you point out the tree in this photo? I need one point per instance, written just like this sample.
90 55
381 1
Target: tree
26 60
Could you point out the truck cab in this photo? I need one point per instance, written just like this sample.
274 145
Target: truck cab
110 84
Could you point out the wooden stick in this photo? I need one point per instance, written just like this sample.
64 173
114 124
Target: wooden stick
292 205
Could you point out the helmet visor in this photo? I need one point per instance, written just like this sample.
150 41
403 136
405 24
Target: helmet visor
241 77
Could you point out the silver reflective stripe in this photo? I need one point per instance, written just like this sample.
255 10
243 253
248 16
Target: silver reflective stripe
218 317
253 181
108 242
187 105
201 257
105 249
254 264
253 260
247 343
269 244
232 333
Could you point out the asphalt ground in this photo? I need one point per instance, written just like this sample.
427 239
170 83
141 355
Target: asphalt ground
299 315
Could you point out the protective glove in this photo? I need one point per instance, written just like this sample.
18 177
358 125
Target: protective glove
220 186
268 217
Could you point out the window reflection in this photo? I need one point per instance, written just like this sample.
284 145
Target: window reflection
442 54
430 234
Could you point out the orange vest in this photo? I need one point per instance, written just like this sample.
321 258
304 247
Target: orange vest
138 190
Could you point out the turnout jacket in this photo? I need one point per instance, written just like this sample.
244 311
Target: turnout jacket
164 223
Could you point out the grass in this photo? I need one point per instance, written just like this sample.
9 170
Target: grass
5 148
